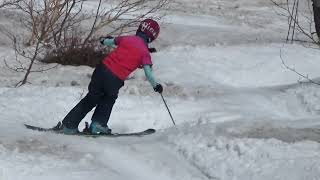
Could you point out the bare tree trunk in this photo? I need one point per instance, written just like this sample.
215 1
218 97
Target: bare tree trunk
32 60
316 11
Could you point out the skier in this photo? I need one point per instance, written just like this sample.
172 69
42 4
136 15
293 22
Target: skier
131 52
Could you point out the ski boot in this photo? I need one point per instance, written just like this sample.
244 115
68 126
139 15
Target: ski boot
96 128
61 128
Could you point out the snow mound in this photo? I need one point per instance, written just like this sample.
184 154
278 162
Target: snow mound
309 97
227 158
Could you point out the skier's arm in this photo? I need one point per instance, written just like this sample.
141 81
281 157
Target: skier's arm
149 75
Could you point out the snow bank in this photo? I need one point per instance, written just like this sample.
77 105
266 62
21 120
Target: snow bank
235 158
309 96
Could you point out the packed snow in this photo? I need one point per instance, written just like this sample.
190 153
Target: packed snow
240 113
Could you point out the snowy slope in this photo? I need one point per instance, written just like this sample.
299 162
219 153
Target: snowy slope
240 114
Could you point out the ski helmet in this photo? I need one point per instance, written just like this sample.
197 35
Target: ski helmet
151 28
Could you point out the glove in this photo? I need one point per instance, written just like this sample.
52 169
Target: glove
104 38
158 88
152 50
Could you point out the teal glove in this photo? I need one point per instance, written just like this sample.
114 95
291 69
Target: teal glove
108 41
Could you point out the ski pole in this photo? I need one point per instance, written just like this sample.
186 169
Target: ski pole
165 103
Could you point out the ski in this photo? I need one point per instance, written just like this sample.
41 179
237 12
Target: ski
87 133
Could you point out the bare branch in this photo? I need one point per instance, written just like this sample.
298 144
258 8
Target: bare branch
9 3
106 18
295 71
94 23
292 13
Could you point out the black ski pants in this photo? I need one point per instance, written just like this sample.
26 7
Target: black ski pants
103 92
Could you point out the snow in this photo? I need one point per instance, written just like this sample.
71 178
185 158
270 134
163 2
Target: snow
246 66
240 113
226 158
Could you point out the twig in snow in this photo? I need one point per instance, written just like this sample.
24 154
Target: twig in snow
295 71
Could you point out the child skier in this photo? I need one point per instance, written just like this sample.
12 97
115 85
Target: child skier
109 76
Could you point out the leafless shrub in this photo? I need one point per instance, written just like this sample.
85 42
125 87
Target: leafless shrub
25 58
40 19
89 54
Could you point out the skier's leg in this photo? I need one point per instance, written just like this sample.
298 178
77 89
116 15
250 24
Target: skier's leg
316 3
103 110
111 86
93 97
101 116
75 116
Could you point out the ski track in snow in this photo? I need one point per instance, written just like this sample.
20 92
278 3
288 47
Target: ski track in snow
240 113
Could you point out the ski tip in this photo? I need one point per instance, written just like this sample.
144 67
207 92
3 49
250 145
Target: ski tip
27 125
150 130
